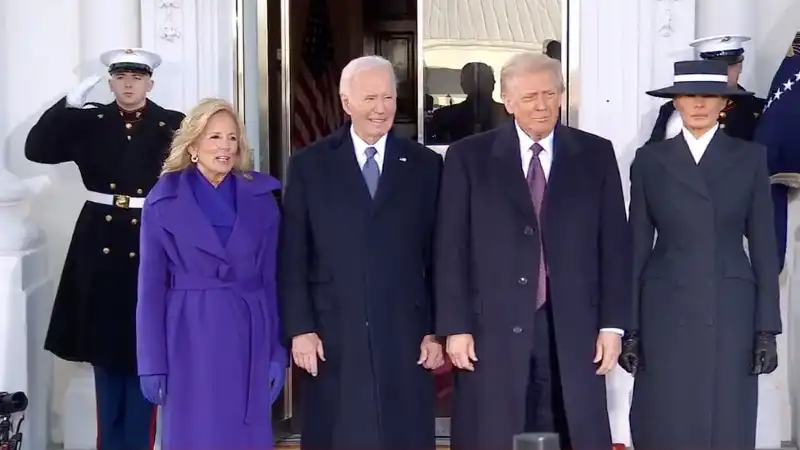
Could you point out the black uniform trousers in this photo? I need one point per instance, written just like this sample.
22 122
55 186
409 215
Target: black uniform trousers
545 411
126 420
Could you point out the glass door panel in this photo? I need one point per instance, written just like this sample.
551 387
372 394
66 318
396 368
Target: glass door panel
461 49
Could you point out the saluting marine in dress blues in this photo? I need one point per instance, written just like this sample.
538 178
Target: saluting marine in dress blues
119 149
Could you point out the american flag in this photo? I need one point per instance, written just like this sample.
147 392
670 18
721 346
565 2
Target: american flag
777 130
317 110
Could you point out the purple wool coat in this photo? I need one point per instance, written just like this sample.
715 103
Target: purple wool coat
206 314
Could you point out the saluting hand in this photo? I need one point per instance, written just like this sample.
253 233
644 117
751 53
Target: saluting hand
430 353
461 349
306 348
76 97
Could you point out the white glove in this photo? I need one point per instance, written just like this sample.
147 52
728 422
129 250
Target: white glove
76 97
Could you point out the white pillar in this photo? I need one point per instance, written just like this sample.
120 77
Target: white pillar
716 17
26 292
104 25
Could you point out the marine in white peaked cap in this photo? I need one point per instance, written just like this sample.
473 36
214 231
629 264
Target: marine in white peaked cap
119 149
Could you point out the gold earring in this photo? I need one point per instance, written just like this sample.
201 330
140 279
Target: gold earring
194 159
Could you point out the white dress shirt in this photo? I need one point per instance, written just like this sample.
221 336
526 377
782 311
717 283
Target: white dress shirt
361 147
699 145
545 156
546 159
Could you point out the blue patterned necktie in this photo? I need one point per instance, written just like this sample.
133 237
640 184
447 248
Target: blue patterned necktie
371 171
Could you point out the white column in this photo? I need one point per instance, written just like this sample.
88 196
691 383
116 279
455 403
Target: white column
627 48
196 39
26 293
716 17
104 25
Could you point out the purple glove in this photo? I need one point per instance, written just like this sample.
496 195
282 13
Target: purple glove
277 374
154 388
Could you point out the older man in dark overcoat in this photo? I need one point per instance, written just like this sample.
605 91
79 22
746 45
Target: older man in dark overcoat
354 275
532 270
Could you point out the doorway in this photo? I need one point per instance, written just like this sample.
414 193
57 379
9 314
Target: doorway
447 56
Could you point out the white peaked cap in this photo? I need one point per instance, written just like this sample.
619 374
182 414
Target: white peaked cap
721 43
132 56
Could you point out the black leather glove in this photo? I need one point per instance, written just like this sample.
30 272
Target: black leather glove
765 354
631 356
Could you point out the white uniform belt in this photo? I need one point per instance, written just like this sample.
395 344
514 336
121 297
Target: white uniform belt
119 201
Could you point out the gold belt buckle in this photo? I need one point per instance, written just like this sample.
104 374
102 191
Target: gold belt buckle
122 201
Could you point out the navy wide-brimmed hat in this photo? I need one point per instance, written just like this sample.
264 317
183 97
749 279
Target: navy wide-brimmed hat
700 78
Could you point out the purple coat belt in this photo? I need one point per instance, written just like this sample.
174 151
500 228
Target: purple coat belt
250 291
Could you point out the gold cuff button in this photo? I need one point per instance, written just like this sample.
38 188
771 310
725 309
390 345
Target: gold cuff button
112 185
139 191
106 250
131 255
134 221
108 218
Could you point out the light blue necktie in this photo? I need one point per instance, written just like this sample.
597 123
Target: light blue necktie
371 171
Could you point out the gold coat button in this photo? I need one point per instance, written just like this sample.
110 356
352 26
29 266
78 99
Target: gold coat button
129 138
722 115
131 255
134 221
722 125
139 191
129 125
108 218
106 250
112 185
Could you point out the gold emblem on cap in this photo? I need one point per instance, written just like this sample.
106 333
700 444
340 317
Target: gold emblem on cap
726 39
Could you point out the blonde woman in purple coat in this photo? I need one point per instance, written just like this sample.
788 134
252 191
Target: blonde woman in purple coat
207 326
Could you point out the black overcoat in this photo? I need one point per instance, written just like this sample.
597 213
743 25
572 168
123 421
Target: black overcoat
357 271
486 264
94 314
739 119
698 299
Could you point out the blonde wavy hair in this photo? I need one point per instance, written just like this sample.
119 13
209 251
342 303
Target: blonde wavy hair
192 129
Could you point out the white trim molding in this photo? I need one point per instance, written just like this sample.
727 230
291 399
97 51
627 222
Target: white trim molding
169 31
195 38
667 21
